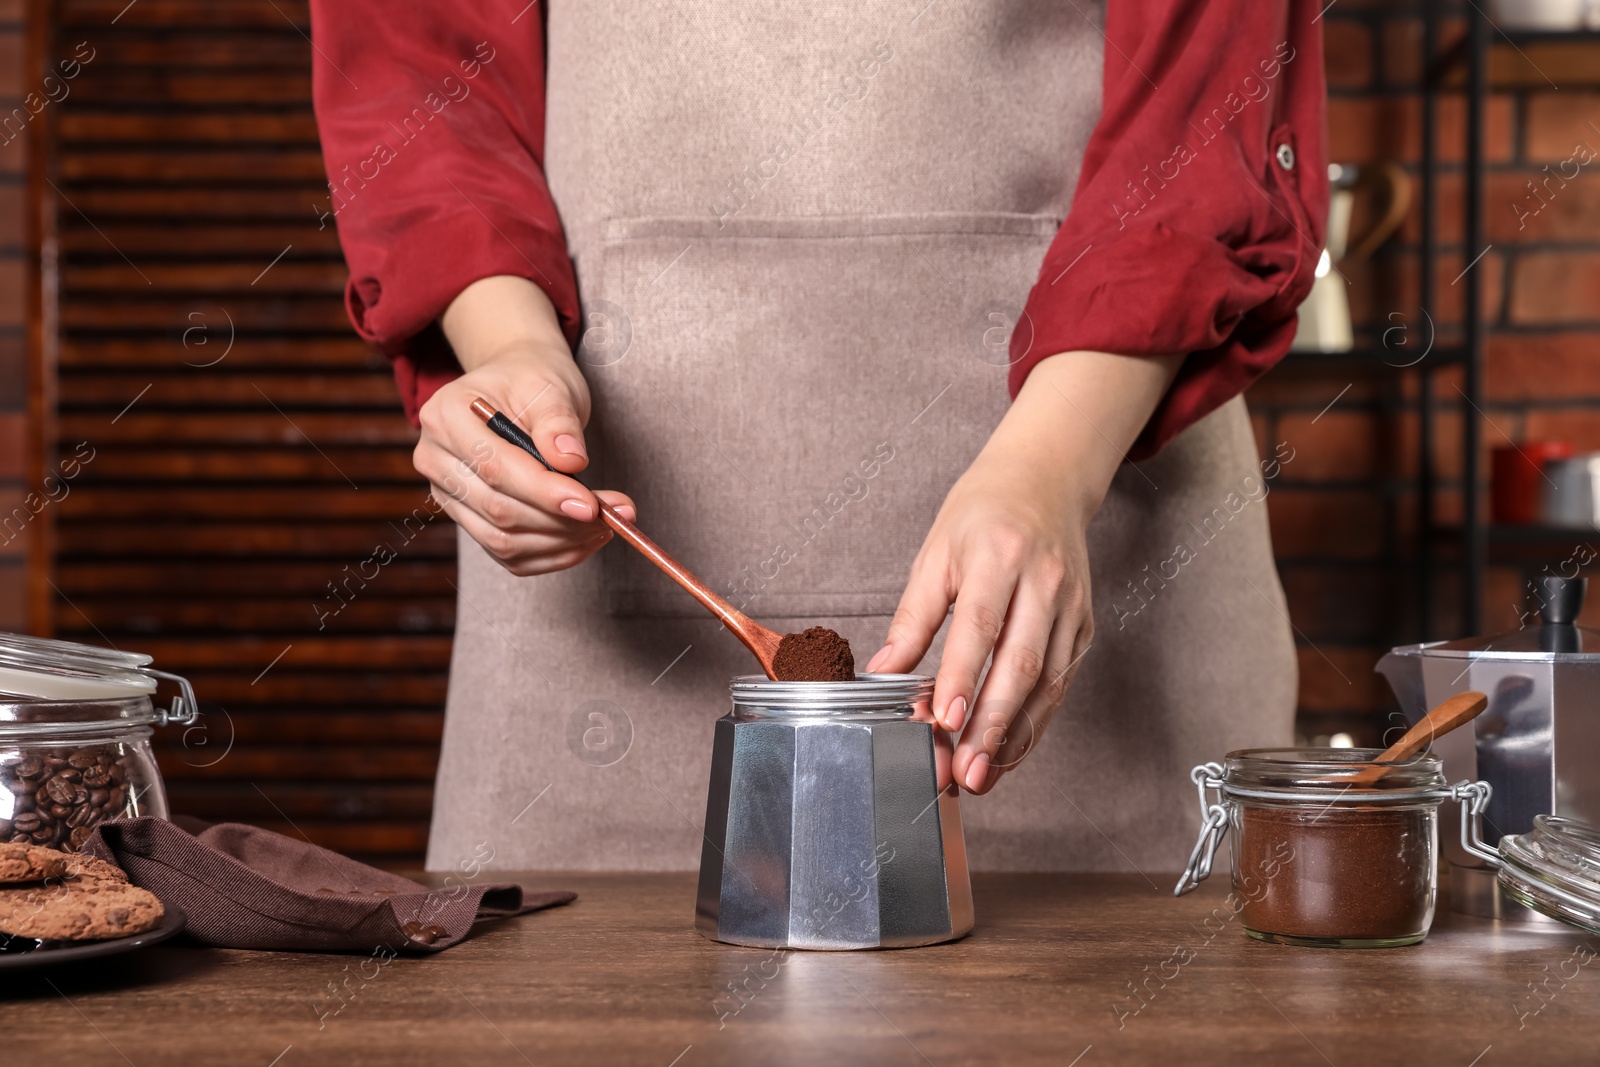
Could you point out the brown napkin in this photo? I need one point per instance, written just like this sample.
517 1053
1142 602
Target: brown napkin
245 887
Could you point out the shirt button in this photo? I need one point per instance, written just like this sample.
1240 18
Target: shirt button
1285 157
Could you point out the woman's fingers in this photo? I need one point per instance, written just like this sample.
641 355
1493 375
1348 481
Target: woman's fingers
510 470
552 419
1019 661
621 502
982 602
524 553
525 510
1069 639
922 610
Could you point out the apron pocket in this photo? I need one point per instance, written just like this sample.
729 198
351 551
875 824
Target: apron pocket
789 399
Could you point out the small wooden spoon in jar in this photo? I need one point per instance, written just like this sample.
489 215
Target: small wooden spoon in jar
1456 711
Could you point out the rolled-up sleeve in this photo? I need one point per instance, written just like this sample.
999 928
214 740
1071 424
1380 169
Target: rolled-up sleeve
431 116
1201 205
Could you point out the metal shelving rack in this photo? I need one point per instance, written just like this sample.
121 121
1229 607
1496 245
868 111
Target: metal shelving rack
1475 536
1463 548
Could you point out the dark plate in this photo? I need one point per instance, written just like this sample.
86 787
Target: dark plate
49 953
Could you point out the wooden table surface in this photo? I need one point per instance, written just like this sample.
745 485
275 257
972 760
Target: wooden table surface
620 977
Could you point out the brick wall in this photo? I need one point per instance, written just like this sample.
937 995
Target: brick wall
1342 516
13 337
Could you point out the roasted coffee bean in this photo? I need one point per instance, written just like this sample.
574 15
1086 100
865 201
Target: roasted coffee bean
81 815
97 777
21 839
63 791
79 836
19 785
23 803
98 797
83 760
61 811
31 767
71 774
27 822
55 762
45 836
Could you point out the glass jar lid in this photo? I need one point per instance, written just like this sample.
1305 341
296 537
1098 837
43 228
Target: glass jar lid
1555 870
60 676
1329 774
870 695
64 670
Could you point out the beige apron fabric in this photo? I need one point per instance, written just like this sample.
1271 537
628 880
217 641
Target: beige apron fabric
801 232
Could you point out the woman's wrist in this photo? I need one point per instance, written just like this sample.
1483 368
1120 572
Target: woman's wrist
1075 418
506 317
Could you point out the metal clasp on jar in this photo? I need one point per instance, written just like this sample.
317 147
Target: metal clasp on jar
1213 827
184 710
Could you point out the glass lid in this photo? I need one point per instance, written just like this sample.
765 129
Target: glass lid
1285 773
41 669
1555 870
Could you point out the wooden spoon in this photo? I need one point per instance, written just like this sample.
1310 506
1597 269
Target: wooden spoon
1456 711
757 638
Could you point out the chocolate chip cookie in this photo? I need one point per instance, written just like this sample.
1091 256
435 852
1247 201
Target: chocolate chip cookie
90 869
78 909
30 863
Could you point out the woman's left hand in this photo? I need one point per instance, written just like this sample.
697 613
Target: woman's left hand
1008 551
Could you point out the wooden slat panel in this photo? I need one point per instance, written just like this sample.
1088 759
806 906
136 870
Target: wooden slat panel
220 387
231 540
88 617
329 353
286 276
115 313
400 803
199 50
196 88
248 428
177 14
211 653
220 527
232 167
329 689
322 763
397 579
200 241
198 202
254 465
97 128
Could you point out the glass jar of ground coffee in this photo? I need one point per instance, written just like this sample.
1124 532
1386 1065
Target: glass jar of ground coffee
1322 857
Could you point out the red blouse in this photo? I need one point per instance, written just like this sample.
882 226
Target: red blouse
1197 221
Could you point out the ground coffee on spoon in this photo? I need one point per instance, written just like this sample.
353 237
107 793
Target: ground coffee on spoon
814 655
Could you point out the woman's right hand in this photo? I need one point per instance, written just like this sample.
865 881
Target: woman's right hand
506 335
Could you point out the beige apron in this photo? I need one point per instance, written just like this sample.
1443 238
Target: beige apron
802 233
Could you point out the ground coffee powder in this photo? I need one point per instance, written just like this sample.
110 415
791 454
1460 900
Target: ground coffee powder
814 655
1360 873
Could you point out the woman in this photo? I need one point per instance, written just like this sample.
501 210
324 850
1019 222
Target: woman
792 239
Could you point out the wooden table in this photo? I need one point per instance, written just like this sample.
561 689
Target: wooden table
620 977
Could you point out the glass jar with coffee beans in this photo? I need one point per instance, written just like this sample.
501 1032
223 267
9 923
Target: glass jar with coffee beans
75 729
60 793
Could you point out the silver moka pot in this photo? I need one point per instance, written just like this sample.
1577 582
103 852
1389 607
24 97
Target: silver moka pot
825 824
1538 742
